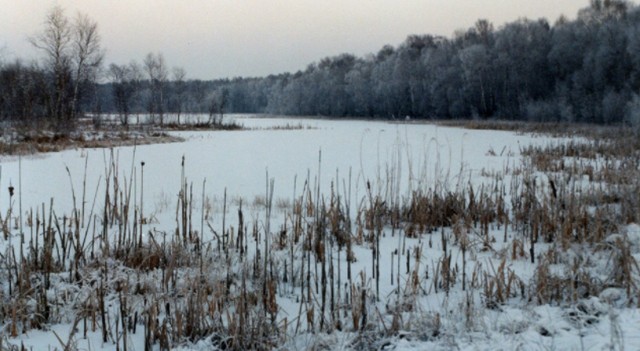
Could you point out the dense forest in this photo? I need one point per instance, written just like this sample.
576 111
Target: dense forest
582 70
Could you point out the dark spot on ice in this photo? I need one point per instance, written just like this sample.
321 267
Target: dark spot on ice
543 331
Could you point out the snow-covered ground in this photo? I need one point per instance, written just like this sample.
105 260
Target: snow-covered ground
342 156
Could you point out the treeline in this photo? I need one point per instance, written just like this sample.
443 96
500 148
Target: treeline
582 70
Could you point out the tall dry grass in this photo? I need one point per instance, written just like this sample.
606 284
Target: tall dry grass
562 212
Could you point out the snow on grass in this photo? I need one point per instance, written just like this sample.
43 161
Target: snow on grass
318 169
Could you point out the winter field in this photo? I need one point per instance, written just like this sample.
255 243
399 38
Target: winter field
300 234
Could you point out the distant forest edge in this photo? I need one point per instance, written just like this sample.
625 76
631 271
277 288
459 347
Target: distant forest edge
582 70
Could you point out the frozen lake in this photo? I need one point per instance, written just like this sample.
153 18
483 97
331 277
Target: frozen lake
344 157
404 156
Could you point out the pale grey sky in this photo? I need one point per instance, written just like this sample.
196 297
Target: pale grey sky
228 38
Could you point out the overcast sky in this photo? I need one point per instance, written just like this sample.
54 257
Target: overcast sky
228 38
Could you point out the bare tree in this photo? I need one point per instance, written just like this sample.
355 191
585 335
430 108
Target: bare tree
55 41
22 92
87 55
123 88
179 75
484 29
217 104
156 69
137 76
72 59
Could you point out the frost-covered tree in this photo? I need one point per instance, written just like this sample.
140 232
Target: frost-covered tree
358 82
521 66
476 65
